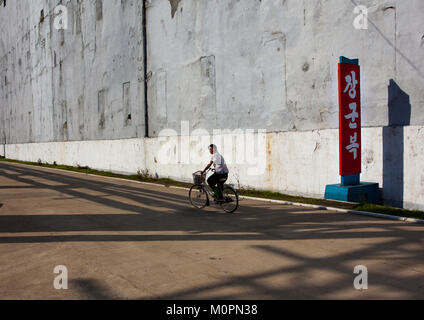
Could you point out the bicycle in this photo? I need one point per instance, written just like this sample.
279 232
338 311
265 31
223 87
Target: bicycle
200 192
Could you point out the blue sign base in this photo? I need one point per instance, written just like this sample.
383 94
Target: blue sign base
365 191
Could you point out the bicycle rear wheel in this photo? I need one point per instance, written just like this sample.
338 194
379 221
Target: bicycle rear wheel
198 197
231 199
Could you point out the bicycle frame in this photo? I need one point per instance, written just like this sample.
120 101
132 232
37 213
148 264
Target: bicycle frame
208 192
208 189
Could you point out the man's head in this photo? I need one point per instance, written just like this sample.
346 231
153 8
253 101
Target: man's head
213 149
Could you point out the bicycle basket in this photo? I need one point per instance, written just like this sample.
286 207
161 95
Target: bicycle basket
198 178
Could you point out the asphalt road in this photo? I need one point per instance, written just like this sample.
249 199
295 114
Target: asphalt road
127 240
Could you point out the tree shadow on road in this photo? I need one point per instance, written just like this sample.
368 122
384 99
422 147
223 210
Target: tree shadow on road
157 214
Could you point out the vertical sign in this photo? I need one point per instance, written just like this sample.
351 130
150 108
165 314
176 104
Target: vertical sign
349 117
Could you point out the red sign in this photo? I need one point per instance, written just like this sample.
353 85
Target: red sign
349 119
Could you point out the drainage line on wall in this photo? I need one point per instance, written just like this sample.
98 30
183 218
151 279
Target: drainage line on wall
146 106
4 145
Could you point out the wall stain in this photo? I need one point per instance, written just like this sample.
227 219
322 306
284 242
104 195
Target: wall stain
269 172
174 7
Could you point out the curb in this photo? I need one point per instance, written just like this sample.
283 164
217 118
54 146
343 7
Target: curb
361 213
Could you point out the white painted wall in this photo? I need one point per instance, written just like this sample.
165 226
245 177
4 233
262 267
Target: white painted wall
269 64
293 163
274 62
124 156
51 79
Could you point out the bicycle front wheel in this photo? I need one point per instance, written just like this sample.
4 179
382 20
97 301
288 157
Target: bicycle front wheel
198 197
231 199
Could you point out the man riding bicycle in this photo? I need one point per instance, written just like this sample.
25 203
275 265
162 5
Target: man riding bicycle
221 171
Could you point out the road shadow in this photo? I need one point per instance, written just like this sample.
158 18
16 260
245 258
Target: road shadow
301 287
92 289
168 210
160 214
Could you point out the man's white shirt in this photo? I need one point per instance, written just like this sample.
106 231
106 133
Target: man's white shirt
219 163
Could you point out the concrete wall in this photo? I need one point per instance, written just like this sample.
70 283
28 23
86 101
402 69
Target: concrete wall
76 84
298 163
272 64
216 65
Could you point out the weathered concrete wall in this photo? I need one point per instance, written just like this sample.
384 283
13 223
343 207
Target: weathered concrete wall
272 64
76 84
223 64
268 64
298 163
121 156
